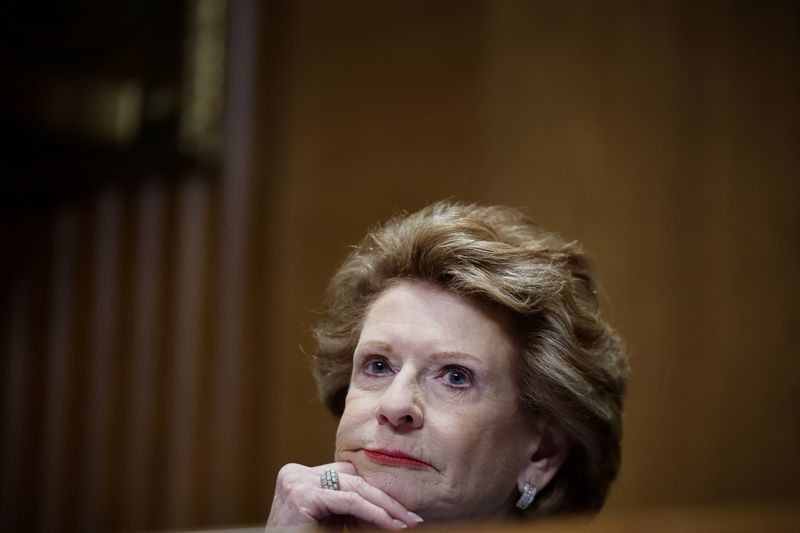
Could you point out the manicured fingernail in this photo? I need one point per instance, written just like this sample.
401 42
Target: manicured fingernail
398 523
415 516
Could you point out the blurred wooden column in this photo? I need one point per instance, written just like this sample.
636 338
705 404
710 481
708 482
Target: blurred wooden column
143 383
60 386
233 375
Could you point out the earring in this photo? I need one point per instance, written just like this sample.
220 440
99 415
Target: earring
528 494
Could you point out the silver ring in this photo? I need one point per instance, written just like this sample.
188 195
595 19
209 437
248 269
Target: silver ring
329 479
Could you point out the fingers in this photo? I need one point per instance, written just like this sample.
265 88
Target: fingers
301 500
353 504
377 504
378 498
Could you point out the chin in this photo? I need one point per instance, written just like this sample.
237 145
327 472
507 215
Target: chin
414 489
418 493
398 483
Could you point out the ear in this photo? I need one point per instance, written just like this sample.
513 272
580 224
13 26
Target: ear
547 451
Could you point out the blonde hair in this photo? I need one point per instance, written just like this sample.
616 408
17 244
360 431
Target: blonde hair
571 366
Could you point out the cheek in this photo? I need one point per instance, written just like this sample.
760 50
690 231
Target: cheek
456 436
357 405
357 411
479 436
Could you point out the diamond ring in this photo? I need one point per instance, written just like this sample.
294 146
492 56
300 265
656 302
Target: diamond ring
329 479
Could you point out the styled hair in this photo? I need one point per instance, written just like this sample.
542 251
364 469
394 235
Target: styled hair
571 367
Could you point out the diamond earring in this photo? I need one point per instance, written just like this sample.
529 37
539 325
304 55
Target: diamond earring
526 499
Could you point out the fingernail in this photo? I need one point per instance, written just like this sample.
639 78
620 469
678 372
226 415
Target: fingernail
399 524
415 516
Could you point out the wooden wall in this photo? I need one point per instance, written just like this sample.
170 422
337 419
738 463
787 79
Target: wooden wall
153 371
663 136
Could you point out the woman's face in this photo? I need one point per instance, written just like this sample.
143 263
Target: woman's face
432 416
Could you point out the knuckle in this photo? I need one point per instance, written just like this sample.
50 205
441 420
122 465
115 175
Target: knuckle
382 515
287 469
358 482
287 476
351 498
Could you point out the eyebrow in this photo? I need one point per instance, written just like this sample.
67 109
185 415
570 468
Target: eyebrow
456 355
386 347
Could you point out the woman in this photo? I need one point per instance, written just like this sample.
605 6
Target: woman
463 348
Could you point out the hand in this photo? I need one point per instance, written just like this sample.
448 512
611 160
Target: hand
300 500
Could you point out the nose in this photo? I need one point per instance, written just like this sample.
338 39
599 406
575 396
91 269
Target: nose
400 405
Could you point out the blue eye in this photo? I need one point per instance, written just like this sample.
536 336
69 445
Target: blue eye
457 377
377 367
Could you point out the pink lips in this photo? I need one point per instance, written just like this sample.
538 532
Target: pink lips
395 457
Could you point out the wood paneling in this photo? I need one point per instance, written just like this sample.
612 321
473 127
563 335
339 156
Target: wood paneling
661 136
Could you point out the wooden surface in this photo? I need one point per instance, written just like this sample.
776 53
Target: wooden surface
767 519
770 518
